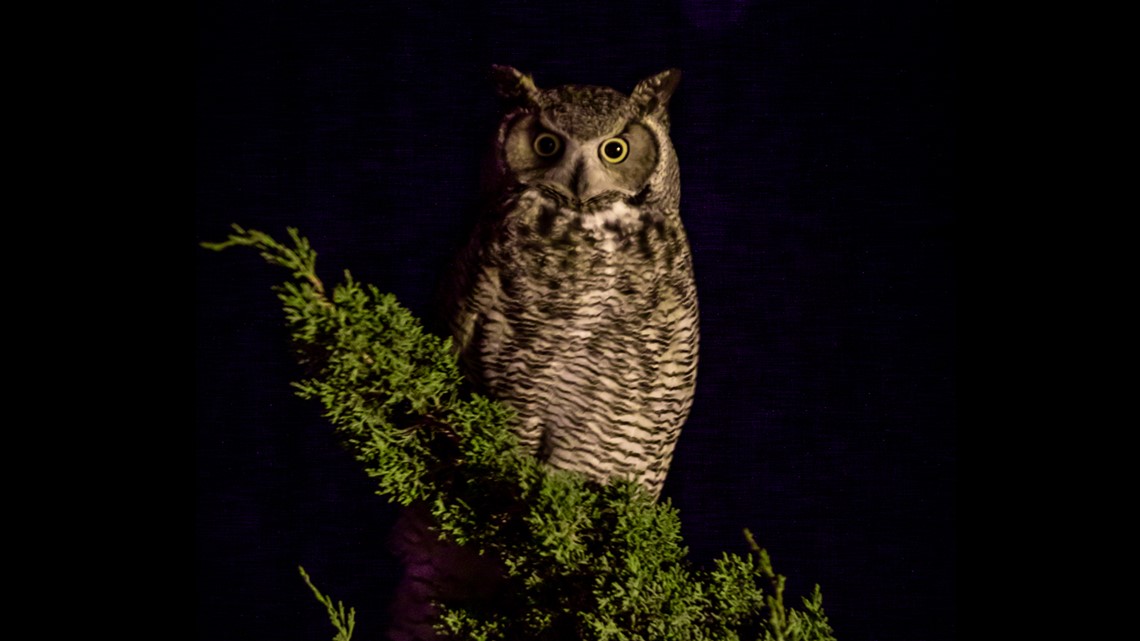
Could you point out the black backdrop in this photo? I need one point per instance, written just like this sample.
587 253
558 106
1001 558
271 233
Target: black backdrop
817 145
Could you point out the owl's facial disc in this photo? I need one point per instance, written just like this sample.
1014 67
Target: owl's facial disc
615 164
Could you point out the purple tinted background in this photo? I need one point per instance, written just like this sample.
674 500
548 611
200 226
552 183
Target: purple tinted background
817 147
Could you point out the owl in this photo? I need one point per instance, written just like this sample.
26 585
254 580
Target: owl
574 302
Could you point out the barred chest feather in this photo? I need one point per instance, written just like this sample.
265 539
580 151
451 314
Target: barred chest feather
584 320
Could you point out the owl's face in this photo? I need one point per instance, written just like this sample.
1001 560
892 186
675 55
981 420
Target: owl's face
585 143
620 159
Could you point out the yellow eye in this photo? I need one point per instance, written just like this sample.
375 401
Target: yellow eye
614 150
547 145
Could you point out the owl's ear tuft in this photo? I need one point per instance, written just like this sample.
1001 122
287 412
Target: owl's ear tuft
514 85
651 95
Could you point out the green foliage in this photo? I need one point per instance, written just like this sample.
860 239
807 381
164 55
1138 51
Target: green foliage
344 623
583 560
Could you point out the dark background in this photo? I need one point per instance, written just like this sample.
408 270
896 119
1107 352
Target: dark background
817 144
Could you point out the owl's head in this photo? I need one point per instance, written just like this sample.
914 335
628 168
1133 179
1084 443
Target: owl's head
588 143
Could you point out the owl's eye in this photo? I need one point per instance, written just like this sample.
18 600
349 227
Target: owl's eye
547 145
614 150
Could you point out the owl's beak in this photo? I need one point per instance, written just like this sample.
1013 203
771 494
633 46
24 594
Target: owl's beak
580 176
583 181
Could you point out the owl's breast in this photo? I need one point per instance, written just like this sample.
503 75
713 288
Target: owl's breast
584 320
547 233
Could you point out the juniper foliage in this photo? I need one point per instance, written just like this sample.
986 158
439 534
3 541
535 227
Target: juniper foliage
343 622
583 560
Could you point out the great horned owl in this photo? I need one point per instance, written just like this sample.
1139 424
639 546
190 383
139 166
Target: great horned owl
574 303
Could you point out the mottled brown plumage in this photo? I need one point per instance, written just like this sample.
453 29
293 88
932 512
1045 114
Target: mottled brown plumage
574 302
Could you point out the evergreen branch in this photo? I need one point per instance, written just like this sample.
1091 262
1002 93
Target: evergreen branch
302 260
344 623
776 615
583 560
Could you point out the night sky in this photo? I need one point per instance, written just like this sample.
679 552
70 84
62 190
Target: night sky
817 152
